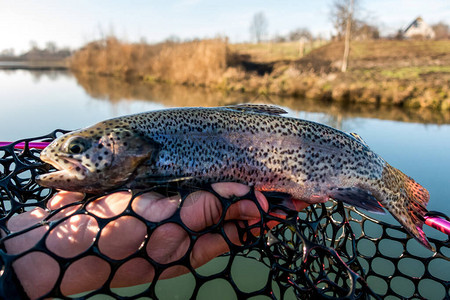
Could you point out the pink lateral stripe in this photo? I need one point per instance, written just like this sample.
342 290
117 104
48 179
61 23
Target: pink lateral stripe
435 222
438 223
36 145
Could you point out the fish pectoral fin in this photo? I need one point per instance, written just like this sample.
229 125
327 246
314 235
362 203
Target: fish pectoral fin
357 197
258 108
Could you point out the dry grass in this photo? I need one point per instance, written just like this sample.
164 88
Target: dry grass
401 73
199 62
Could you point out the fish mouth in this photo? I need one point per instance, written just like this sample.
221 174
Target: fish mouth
72 169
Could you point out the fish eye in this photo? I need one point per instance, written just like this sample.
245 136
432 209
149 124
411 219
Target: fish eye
77 145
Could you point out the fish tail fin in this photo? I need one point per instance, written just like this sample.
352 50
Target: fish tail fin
407 202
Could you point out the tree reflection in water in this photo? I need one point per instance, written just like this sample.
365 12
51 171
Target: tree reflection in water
117 90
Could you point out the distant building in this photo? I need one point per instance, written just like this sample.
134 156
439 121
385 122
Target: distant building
419 29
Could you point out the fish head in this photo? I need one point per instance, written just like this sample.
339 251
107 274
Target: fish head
95 159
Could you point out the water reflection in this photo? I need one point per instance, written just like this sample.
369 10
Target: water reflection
52 75
38 75
115 90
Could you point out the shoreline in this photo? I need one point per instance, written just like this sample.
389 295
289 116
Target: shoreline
178 95
412 74
34 65
409 74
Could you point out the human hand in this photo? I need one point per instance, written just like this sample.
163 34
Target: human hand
122 237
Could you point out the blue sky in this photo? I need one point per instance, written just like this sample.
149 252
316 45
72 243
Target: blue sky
75 23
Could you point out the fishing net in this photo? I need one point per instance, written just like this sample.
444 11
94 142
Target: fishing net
325 251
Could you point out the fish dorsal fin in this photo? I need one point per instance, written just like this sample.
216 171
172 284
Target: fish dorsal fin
258 108
359 138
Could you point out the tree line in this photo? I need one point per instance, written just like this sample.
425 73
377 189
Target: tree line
49 52
344 15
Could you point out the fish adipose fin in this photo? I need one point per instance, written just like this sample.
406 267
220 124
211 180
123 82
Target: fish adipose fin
258 108
357 197
408 202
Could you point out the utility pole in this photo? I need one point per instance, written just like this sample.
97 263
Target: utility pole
348 29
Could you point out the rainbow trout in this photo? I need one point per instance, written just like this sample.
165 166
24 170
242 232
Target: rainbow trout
250 144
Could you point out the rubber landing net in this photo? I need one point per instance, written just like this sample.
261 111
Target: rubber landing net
325 251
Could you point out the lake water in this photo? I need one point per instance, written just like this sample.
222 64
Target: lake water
35 103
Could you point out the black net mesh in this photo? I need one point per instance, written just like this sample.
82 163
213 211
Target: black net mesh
326 251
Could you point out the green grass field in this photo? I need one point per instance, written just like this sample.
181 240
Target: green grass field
272 52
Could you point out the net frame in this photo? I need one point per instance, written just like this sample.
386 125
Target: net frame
312 254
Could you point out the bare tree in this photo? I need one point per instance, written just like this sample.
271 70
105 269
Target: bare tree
7 52
299 33
342 16
348 32
441 30
258 26
51 47
364 31
33 45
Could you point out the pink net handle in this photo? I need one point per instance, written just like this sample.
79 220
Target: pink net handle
36 145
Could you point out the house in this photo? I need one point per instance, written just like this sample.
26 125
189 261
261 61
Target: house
419 29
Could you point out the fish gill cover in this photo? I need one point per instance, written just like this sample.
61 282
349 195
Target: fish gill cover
328 250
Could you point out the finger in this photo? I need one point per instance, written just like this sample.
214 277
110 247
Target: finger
207 247
133 272
211 245
155 207
110 205
200 210
72 236
230 189
37 273
85 274
243 210
247 209
122 237
168 243
63 198
26 219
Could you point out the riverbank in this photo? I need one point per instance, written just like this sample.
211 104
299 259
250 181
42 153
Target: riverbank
117 90
413 74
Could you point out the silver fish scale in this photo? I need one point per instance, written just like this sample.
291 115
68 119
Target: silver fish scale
265 150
